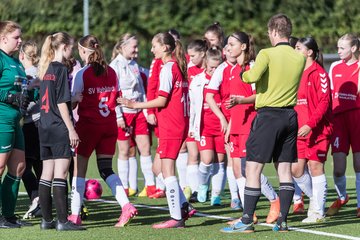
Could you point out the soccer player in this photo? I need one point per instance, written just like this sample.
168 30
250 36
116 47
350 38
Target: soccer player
172 120
131 122
12 101
205 128
314 116
97 85
276 72
56 130
214 34
196 51
241 103
29 57
344 77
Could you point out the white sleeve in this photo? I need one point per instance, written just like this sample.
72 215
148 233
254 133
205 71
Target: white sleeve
78 82
217 78
166 78
330 73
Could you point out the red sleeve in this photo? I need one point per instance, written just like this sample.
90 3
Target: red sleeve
153 82
320 83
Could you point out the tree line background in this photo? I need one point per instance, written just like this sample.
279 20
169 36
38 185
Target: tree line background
325 20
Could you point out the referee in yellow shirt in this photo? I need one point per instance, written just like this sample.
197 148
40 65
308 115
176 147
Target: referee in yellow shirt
277 72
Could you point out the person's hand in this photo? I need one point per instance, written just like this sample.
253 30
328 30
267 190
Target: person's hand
19 100
121 123
233 101
151 119
126 102
304 131
224 124
227 135
74 138
191 134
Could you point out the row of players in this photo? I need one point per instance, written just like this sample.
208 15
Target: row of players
212 93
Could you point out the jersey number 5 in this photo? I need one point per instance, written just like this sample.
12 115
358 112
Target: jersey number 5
103 107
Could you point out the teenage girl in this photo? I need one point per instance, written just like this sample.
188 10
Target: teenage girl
172 121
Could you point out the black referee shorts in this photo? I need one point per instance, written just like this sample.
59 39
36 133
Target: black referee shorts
273 135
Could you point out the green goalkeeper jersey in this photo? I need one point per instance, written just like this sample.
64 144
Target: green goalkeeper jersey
11 73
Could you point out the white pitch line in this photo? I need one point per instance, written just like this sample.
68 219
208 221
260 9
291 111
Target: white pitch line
230 218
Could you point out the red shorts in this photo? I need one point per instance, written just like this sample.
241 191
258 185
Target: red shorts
169 148
238 145
190 139
311 149
136 125
98 137
216 143
346 132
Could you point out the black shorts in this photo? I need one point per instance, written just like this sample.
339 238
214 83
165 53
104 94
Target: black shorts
273 135
55 151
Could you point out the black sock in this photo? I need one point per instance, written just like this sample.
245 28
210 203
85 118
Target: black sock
252 196
45 199
286 193
59 186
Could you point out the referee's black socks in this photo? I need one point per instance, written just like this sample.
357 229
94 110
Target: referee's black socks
252 196
286 193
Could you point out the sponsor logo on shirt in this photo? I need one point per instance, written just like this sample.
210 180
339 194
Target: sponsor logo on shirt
338 75
49 77
6 147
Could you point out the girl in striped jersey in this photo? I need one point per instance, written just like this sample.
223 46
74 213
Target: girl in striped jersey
314 115
132 123
242 111
97 86
346 109
172 120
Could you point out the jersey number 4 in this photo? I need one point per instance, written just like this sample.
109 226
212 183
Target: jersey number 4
45 101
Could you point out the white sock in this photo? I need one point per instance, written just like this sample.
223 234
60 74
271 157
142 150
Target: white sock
340 186
173 197
204 173
117 189
192 173
182 197
241 185
133 170
304 183
77 194
267 190
297 194
181 165
146 165
123 171
357 183
160 182
217 179
319 193
232 183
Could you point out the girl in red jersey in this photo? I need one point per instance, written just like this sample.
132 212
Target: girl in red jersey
132 122
196 51
205 126
56 131
346 109
97 84
172 120
214 34
242 112
314 113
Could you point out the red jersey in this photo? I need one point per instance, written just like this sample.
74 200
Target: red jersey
153 82
173 119
210 123
220 84
344 86
314 101
99 95
192 71
242 115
